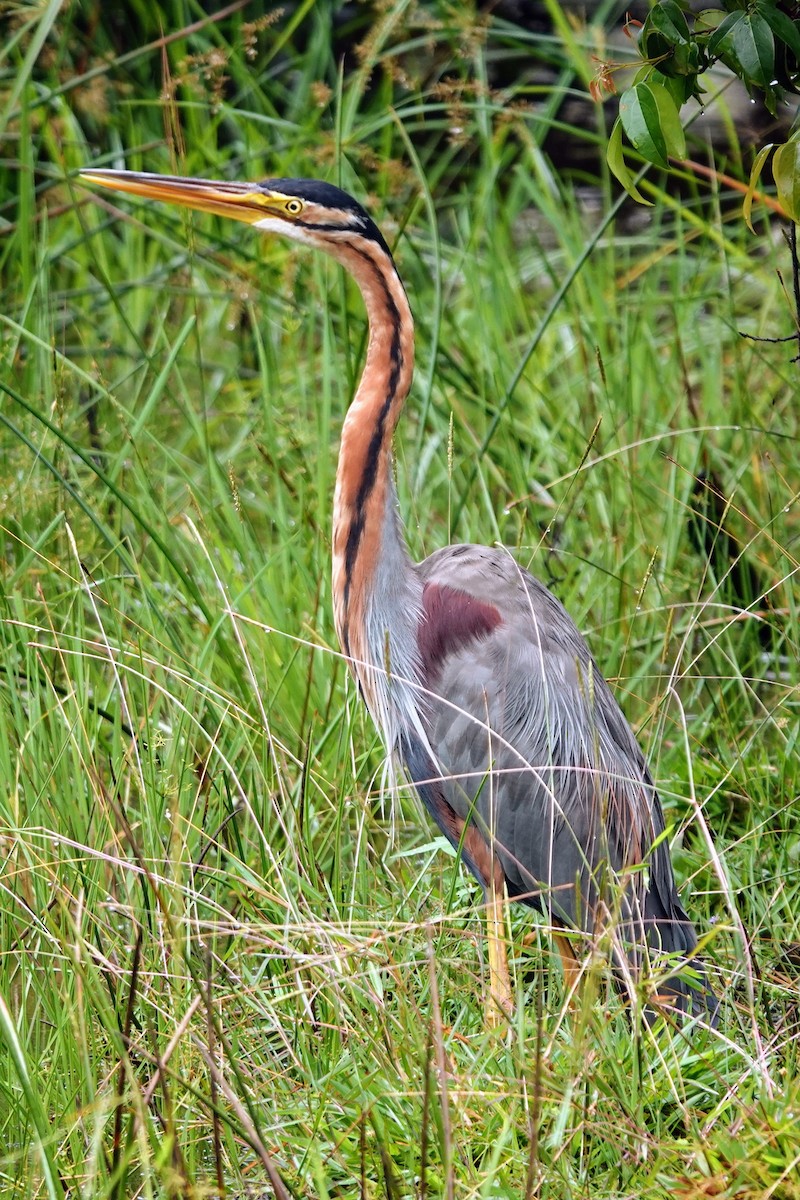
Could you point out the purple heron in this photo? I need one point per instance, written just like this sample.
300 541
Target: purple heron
476 676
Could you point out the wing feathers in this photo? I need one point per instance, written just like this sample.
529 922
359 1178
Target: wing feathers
535 753
451 619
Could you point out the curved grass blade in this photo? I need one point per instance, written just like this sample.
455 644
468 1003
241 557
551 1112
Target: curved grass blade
33 1103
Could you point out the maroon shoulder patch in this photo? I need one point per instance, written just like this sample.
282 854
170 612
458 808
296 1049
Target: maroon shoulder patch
450 619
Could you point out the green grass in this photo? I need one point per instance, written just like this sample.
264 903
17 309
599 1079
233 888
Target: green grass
223 952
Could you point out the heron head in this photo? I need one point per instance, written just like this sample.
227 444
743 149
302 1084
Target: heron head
306 210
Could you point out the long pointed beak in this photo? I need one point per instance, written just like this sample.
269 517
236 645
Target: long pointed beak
241 201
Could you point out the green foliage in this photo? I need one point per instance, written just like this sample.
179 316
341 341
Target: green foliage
759 42
651 121
786 172
225 951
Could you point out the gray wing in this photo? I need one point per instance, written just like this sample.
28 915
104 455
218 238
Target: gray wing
533 748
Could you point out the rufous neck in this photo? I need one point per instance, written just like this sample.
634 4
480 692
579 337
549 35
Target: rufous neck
364 487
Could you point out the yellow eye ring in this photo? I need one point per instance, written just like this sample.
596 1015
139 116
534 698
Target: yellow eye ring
293 207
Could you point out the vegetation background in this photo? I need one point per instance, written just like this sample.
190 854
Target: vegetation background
230 965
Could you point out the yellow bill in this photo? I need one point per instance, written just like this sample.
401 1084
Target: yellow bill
249 202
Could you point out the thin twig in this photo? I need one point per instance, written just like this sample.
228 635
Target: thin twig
426 1109
116 1141
791 238
248 1129
534 1175
212 1040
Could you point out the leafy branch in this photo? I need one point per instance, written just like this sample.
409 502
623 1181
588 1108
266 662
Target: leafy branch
759 41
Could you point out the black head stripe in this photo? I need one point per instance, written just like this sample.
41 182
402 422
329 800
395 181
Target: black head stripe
328 196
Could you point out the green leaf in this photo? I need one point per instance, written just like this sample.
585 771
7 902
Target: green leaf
638 112
719 38
665 40
782 26
664 29
755 175
651 120
679 87
745 43
670 120
643 75
754 46
618 166
786 172
668 18
708 20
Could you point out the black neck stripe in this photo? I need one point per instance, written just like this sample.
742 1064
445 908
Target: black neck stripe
366 228
367 484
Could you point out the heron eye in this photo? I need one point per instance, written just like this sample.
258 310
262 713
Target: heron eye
294 207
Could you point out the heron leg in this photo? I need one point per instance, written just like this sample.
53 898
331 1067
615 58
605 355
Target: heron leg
499 1003
571 966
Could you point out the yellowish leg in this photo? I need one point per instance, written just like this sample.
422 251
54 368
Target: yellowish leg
500 1001
569 962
